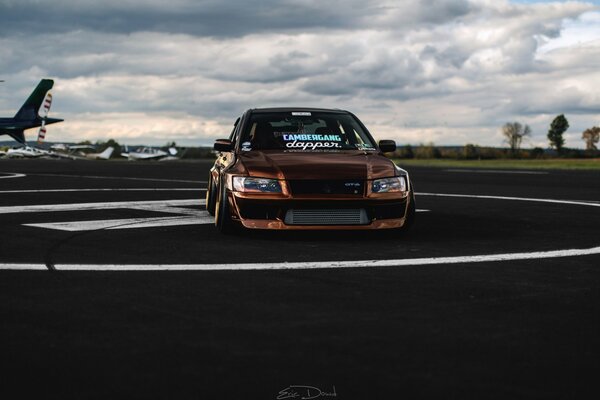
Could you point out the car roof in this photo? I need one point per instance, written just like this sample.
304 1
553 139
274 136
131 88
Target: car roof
301 109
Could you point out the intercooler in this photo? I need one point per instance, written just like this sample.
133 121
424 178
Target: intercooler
356 216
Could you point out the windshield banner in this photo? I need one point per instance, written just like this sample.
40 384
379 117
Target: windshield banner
305 141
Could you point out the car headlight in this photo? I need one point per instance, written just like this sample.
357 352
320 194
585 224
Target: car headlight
389 185
256 185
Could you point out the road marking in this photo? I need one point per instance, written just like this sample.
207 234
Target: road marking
471 196
24 267
302 265
9 175
102 190
190 216
312 265
497 171
146 205
120 178
193 216
200 217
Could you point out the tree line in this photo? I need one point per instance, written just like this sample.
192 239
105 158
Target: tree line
514 132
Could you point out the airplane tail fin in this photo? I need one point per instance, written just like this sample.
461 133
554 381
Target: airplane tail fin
105 155
38 103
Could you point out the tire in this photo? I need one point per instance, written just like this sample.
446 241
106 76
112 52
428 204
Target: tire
211 196
223 220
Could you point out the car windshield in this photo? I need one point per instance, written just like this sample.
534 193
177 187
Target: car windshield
304 131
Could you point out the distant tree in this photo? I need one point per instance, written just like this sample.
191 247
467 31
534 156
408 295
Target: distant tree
470 151
406 152
171 144
591 137
555 134
514 133
427 151
537 152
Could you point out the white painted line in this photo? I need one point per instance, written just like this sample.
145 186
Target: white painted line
10 175
120 178
129 223
470 196
23 267
310 265
497 171
318 264
102 190
99 206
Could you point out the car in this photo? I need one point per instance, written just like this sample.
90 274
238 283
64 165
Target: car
306 168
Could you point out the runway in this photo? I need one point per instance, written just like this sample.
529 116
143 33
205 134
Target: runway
111 272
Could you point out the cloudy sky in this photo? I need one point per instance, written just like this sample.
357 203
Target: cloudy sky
442 71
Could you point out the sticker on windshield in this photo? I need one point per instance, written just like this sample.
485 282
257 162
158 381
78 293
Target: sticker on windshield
303 141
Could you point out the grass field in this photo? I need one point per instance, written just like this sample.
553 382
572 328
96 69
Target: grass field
559 163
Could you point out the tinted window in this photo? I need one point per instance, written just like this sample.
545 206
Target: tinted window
303 131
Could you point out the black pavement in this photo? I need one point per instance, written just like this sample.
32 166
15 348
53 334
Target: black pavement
511 329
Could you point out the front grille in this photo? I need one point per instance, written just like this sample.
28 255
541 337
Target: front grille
352 187
352 216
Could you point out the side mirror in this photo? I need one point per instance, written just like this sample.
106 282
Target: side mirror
223 145
387 146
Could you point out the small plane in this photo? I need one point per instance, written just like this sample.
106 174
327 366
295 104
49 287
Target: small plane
66 148
27 152
32 114
75 152
149 153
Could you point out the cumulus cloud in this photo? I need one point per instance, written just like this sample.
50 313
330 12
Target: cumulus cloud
448 71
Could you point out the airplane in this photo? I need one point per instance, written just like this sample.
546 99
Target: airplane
27 152
32 114
75 152
105 155
66 148
149 153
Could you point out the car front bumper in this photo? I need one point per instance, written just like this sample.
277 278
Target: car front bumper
265 211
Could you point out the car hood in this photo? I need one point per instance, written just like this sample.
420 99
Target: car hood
322 165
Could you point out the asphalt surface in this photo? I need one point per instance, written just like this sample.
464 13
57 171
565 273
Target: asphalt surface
509 329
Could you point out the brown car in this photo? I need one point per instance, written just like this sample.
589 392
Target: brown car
306 168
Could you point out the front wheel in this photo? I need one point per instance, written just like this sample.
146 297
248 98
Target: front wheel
223 220
211 196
